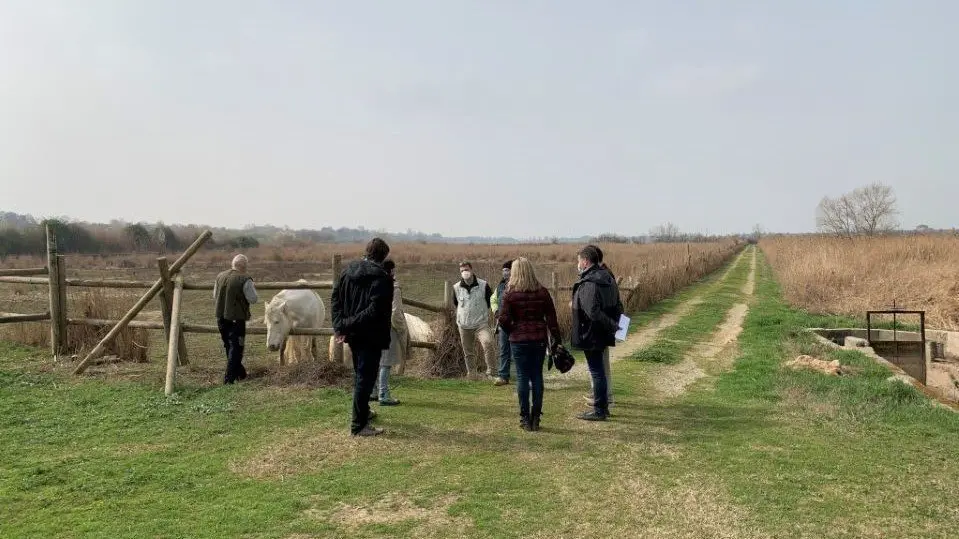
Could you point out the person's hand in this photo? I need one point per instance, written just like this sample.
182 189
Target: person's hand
340 339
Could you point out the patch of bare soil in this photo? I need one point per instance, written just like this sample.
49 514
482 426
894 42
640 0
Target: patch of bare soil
832 368
395 508
750 287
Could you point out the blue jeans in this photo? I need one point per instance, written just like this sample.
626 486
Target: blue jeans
594 359
504 354
529 358
385 382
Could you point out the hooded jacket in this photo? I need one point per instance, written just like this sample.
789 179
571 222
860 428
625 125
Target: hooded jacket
361 305
596 310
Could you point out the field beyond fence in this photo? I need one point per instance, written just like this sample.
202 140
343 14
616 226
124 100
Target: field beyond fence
830 275
647 273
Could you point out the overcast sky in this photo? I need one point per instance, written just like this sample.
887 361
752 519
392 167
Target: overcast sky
494 117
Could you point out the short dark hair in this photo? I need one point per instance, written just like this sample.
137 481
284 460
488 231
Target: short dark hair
389 265
600 251
508 264
590 253
377 250
466 264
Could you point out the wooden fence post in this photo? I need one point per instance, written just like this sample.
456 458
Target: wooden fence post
447 296
337 347
58 304
553 286
173 345
166 307
150 294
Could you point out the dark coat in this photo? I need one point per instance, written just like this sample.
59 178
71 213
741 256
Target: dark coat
362 304
596 310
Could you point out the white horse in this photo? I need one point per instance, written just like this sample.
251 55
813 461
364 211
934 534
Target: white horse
291 309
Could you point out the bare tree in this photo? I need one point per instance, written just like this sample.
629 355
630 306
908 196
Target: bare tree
868 210
665 233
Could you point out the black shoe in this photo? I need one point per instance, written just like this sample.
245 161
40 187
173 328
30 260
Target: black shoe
592 416
526 425
368 431
373 398
534 424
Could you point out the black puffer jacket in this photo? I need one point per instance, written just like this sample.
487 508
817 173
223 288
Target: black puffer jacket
362 304
596 310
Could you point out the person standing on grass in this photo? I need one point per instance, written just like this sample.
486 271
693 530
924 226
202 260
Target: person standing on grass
472 297
528 316
606 368
596 311
360 307
504 348
233 293
397 353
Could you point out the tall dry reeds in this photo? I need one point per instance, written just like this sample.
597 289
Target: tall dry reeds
130 345
851 276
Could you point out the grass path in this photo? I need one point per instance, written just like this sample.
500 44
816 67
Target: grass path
757 452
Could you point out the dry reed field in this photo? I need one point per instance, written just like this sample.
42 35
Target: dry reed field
851 276
657 270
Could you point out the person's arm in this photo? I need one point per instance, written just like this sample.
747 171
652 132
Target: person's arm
591 304
505 317
489 296
552 323
381 301
398 320
455 301
249 290
336 306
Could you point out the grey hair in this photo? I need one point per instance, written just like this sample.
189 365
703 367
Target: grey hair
239 261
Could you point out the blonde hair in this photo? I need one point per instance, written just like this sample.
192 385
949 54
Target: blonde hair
522 278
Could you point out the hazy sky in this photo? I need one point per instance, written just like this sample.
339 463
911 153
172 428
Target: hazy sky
522 118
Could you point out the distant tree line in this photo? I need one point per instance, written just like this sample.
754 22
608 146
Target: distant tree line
26 237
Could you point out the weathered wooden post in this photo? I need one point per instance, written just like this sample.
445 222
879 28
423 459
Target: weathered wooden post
150 294
447 296
553 286
173 345
166 306
337 270
58 293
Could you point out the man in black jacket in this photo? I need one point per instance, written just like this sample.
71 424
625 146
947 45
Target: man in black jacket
361 307
596 311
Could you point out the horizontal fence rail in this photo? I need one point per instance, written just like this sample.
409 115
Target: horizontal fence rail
13 318
204 328
23 272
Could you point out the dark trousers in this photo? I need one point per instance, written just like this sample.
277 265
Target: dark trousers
505 354
594 360
529 358
233 333
366 367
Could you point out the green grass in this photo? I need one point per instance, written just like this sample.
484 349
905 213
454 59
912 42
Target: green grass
717 299
758 452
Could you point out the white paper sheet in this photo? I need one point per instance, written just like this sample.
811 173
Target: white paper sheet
623 328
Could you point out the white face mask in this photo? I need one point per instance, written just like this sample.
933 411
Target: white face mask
467 275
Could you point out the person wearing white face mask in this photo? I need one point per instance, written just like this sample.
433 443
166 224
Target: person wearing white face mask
472 298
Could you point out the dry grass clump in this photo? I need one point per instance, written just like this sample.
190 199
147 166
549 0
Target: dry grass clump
131 344
311 374
447 361
850 276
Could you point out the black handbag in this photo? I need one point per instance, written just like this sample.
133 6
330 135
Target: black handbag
560 357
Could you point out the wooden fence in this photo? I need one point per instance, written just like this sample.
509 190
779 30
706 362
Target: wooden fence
170 285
